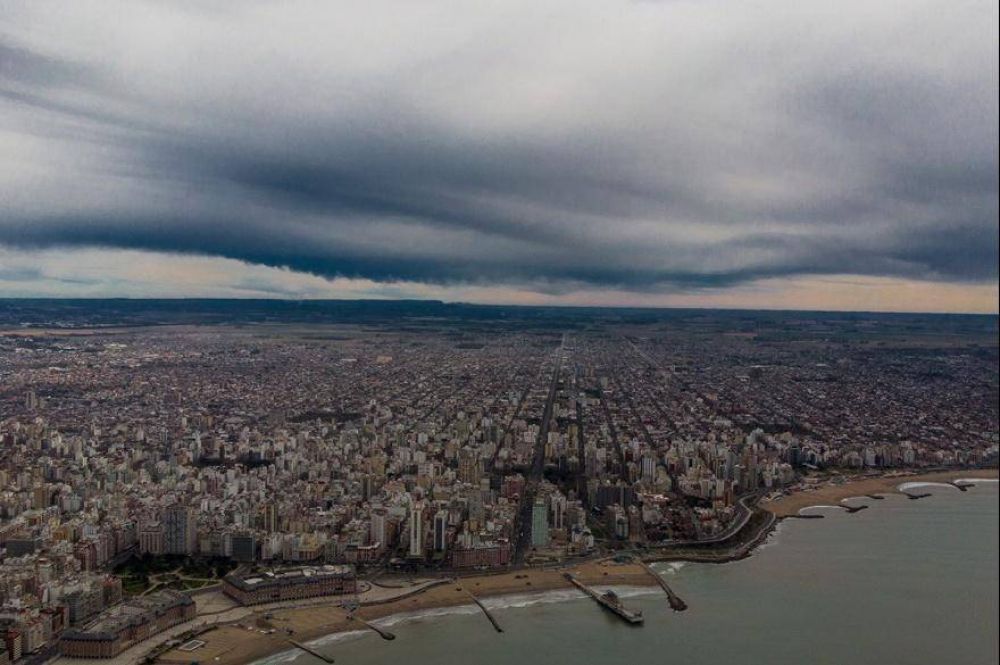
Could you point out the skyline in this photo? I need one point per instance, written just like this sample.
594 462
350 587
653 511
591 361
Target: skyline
675 154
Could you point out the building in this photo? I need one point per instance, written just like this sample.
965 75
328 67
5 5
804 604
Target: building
244 547
128 624
441 531
485 555
416 530
290 584
179 530
539 524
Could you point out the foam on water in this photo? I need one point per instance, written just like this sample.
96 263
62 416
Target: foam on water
418 615
853 498
291 655
914 485
821 507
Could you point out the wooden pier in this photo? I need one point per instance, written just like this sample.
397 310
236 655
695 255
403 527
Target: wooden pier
609 601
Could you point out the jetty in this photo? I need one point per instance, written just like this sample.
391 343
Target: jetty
676 603
854 509
310 651
489 615
918 496
382 632
807 516
608 600
877 497
963 487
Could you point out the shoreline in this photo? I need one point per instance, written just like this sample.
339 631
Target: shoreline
247 641
837 488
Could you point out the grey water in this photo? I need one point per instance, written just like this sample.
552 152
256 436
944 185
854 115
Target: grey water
904 582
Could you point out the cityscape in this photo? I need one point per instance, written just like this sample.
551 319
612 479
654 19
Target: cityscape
545 332
255 462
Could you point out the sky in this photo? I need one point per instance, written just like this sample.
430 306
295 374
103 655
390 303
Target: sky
761 153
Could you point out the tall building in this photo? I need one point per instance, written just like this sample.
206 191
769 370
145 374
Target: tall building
377 534
269 513
441 531
179 530
539 524
558 502
244 547
417 529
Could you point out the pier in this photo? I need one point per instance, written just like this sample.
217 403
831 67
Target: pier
383 633
311 651
676 603
488 614
609 601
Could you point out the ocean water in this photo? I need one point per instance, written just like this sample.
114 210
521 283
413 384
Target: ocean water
905 582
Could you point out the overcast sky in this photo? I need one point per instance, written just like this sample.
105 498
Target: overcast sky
750 154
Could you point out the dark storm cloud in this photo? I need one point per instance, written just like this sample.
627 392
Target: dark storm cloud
650 146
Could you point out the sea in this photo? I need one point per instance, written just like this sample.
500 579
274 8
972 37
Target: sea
904 582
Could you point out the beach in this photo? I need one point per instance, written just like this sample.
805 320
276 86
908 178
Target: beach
833 490
250 639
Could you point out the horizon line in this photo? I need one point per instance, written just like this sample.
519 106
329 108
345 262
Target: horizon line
3 298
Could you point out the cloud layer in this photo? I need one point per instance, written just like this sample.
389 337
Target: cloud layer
646 147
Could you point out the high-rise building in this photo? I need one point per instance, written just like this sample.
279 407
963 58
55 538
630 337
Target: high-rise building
377 534
441 530
270 517
417 529
244 547
558 505
179 530
539 524
151 539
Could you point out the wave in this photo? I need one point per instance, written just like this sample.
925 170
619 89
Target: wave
924 483
430 613
853 498
977 480
821 507
337 637
291 655
279 658
669 568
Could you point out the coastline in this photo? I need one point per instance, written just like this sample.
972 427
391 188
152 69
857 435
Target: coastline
832 492
248 642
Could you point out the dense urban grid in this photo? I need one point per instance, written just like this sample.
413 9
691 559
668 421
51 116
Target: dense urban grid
291 459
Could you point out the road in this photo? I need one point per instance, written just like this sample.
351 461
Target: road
523 527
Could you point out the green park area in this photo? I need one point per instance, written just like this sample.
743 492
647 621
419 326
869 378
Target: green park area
146 573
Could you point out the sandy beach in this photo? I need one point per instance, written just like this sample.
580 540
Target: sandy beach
248 640
833 490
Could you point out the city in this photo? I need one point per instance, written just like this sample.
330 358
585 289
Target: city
268 462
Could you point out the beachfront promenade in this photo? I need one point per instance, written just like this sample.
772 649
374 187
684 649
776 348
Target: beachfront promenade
215 609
